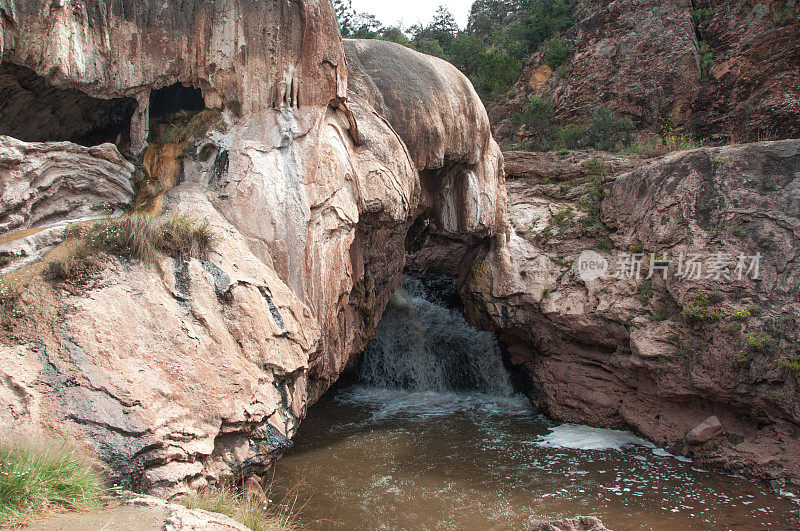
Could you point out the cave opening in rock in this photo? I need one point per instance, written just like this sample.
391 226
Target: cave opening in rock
173 110
33 110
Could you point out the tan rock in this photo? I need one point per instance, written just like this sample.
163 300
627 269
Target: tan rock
41 183
581 523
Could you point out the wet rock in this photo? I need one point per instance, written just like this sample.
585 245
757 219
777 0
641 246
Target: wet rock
705 431
581 523
644 353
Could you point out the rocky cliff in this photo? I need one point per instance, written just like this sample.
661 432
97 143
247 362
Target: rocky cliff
726 70
179 370
703 358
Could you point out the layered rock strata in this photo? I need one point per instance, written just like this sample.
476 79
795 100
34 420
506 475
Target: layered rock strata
183 371
663 354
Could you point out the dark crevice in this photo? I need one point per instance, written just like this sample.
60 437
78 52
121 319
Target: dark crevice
174 98
172 110
33 110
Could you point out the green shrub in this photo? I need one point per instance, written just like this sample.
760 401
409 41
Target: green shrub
704 14
38 479
558 52
537 116
607 130
572 136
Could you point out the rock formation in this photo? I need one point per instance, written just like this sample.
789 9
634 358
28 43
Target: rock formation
726 69
60 181
582 523
183 371
661 354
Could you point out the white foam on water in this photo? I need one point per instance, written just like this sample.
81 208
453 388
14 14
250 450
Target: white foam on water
576 437
386 403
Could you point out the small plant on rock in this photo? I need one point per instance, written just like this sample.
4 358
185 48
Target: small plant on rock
757 342
37 479
698 308
792 366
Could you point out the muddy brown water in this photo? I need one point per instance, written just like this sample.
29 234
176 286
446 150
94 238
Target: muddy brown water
434 437
391 459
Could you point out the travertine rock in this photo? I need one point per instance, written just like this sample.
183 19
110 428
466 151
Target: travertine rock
582 523
43 183
185 371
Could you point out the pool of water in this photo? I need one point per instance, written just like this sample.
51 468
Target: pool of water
435 437
379 458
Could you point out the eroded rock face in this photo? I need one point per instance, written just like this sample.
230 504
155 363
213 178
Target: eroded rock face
254 55
49 182
181 372
727 69
645 354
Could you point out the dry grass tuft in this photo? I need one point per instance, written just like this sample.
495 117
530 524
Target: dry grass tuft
246 510
137 236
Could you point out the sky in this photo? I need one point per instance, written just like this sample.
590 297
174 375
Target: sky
408 12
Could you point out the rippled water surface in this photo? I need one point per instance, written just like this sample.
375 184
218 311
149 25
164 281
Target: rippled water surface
436 438
391 459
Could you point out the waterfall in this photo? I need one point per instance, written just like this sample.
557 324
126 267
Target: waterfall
423 346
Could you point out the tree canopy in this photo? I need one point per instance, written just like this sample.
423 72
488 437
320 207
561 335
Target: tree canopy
491 50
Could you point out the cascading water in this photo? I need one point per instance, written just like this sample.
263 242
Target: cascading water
434 437
423 346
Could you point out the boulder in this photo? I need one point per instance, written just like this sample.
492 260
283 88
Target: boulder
581 523
45 183
705 431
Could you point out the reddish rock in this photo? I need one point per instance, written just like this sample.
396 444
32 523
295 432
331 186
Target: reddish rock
732 72
705 431
638 353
